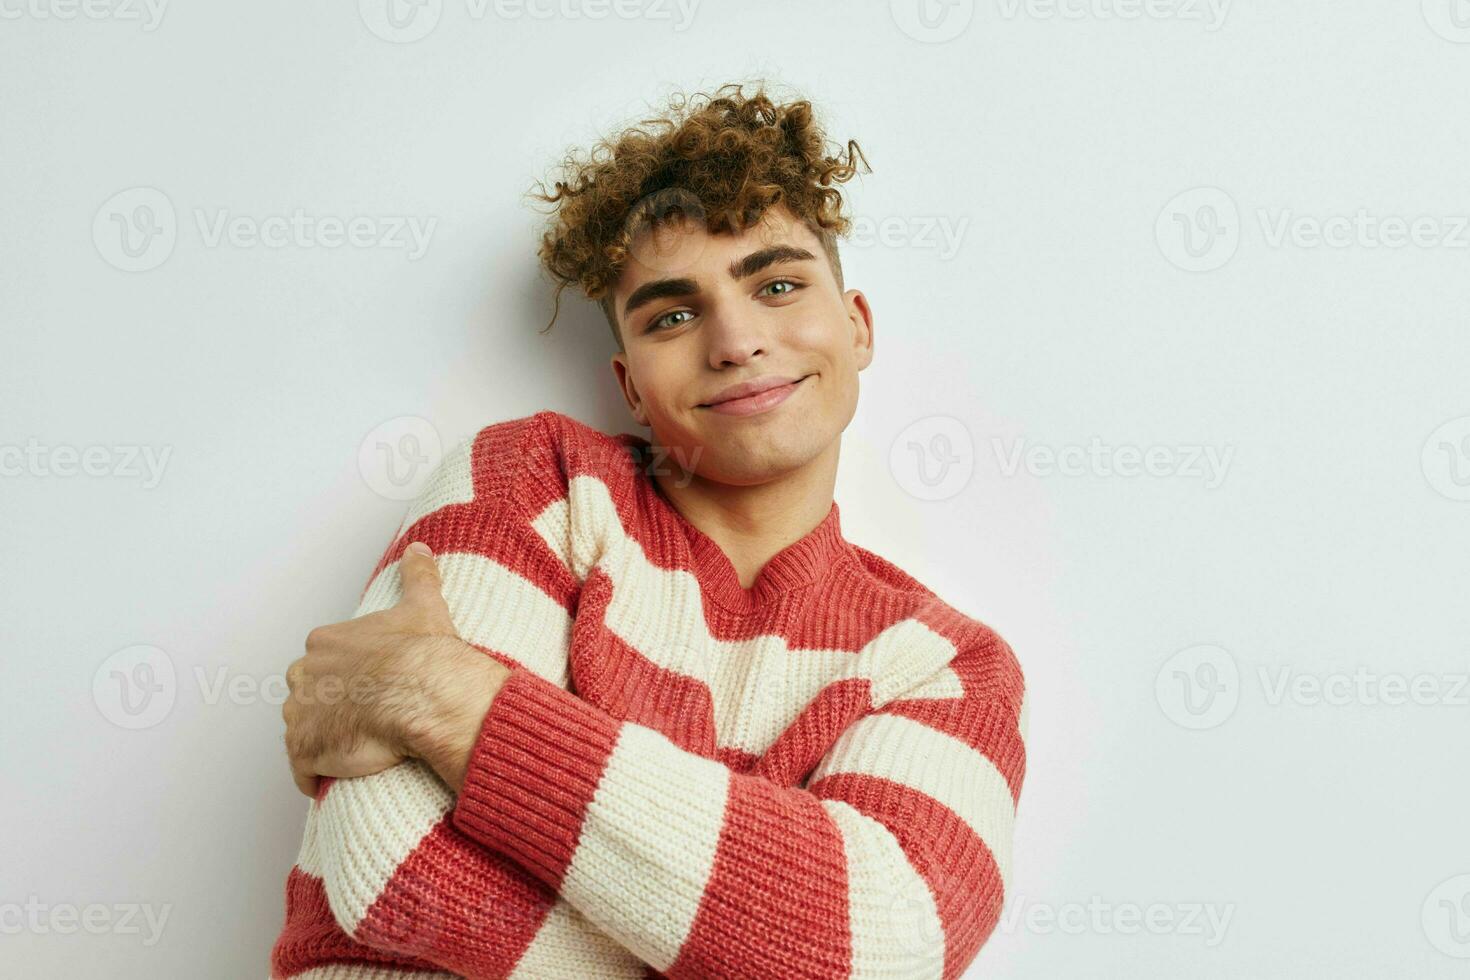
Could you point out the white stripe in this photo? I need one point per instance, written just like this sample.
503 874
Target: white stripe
892 916
493 607
1022 722
368 826
941 685
648 844
452 482
760 686
567 947
904 656
309 859
938 765
554 525
581 527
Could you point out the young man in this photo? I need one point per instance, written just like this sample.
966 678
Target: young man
639 709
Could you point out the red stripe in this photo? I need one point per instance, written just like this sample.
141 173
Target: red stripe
533 771
311 936
957 865
990 670
737 760
779 860
450 894
518 455
616 677
499 533
799 748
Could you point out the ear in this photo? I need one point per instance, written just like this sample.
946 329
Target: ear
623 372
860 315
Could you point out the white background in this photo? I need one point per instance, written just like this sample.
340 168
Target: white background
1079 298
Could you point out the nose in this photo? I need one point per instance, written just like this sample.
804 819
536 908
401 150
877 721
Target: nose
735 338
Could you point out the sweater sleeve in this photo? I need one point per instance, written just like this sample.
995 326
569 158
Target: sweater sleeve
890 860
384 881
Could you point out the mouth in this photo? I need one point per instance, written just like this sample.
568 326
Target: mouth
761 401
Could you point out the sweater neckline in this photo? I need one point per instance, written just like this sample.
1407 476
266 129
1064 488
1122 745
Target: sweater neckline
799 564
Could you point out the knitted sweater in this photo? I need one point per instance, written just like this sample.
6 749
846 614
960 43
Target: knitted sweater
681 777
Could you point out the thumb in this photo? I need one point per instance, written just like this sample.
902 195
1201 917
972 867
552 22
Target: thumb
419 572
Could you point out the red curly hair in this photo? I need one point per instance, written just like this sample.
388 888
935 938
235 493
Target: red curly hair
723 158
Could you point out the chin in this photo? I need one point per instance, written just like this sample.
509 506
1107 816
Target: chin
766 455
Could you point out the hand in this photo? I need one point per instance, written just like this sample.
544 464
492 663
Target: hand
380 688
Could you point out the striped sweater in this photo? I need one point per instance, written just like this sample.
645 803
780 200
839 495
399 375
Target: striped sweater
813 777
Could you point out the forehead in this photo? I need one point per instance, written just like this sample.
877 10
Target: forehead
684 248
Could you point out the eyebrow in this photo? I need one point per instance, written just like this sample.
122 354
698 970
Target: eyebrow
739 269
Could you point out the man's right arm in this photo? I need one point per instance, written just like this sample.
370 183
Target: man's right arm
383 877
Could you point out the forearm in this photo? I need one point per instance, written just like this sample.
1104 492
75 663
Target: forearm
445 904
893 866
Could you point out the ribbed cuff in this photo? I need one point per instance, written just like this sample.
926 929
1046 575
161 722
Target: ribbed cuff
532 772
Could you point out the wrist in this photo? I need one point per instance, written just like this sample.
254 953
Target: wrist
459 685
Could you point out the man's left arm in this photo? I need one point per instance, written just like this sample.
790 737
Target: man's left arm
892 860
384 884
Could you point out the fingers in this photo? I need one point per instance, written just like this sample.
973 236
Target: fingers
365 760
423 591
366 757
306 780
297 755
419 572
302 772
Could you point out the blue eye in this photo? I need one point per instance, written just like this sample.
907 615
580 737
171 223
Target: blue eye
663 321
657 324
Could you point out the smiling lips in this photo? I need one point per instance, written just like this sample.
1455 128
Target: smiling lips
754 396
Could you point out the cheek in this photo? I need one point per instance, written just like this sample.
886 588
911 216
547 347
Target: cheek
666 407
656 389
838 392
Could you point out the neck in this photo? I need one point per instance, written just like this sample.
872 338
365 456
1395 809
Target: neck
752 523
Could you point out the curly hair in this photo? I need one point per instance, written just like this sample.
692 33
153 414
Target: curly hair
723 158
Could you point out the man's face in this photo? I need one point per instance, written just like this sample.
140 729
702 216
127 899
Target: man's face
699 313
